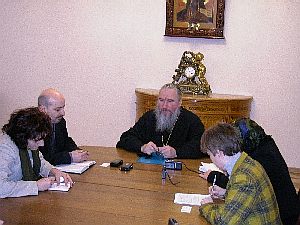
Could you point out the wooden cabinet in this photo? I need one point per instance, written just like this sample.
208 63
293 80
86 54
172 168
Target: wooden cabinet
211 109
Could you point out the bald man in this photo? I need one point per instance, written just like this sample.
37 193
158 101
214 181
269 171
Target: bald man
59 148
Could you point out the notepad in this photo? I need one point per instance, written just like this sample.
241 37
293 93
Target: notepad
204 167
189 199
60 187
75 167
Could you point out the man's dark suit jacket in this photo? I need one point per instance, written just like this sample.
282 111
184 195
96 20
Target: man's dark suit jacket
63 145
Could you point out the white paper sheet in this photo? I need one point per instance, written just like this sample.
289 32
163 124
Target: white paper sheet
189 199
60 187
75 167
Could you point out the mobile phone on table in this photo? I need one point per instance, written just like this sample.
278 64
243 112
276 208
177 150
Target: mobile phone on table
126 167
116 163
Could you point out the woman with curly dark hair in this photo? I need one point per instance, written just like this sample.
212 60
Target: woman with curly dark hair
23 170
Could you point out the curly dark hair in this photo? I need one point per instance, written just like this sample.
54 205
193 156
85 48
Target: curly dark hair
28 123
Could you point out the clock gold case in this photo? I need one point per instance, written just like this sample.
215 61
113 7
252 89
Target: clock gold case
190 74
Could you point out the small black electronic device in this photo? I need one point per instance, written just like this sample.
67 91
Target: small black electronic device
173 165
126 167
172 221
116 163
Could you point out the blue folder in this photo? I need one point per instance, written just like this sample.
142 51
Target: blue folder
154 158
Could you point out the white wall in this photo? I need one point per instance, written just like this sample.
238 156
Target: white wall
97 52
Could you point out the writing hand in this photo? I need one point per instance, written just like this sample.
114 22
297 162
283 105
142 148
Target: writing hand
58 174
44 183
217 192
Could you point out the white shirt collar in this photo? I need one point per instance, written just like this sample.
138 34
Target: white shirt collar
231 162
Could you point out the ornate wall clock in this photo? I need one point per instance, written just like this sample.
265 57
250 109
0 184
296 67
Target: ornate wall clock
190 74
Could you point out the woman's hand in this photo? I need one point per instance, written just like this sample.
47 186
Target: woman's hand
44 183
58 174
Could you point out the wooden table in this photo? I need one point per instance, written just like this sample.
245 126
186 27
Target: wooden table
110 196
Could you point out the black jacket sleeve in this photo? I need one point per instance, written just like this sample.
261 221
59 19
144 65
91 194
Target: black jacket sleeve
138 135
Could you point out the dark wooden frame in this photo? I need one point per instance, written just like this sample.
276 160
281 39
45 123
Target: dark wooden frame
212 29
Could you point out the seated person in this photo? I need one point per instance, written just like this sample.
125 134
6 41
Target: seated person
22 166
249 198
261 147
169 129
59 148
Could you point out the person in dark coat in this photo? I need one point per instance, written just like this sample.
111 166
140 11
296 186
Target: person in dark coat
169 129
59 148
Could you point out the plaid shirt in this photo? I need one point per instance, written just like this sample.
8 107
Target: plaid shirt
249 198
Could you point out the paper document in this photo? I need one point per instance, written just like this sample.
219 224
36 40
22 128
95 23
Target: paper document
75 167
60 187
204 167
186 209
189 199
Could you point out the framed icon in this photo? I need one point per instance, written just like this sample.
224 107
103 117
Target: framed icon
195 18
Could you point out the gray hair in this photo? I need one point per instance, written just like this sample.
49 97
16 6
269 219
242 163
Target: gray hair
173 86
43 100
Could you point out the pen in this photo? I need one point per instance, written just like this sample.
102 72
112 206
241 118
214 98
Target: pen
214 182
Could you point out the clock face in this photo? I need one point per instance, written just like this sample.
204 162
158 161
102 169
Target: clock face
189 72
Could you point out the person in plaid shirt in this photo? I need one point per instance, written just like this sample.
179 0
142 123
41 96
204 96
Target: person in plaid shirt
249 196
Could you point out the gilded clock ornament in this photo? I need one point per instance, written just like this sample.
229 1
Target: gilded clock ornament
190 74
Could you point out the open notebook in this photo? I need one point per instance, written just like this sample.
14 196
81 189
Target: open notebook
60 187
75 167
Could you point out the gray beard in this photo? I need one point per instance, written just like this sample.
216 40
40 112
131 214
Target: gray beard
165 122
